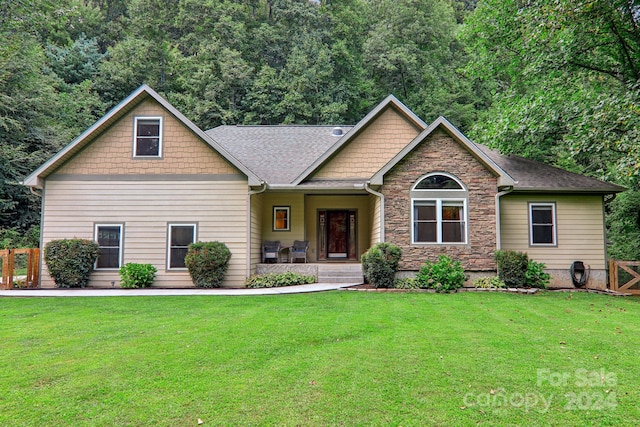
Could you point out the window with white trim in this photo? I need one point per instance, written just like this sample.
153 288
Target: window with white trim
109 238
542 224
180 237
439 210
147 138
281 218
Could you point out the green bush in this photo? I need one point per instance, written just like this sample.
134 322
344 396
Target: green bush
445 275
535 276
512 267
134 275
207 263
407 283
274 280
489 283
70 261
380 264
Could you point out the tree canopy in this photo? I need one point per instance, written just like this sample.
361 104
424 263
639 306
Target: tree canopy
558 81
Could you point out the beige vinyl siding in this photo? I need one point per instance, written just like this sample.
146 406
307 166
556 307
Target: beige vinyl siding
360 203
146 207
257 225
368 152
580 229
374 218
296 221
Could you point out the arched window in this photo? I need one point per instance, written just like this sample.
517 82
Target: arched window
439 210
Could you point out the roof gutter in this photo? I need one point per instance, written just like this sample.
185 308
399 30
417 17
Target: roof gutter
370 190
263 187
498 230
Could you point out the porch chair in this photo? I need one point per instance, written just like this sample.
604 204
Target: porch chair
299 250
270 250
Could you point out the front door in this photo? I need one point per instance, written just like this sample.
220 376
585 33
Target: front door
337 234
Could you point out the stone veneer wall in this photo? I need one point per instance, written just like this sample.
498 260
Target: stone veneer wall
439 152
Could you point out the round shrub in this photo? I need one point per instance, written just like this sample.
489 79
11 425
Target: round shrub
445 275
207 263
512 267
380 264
535 275
70 261
134 275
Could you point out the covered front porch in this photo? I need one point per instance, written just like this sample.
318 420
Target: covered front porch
338 228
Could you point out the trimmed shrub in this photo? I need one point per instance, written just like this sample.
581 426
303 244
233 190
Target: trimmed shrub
512 267
380 264
407 283
535 276
70 261
274 280
489 283
207 263
445 275
134 275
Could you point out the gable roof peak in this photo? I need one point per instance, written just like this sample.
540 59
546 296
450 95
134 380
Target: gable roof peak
343 140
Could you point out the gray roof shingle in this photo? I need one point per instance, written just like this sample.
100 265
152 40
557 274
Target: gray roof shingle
531 175
277 154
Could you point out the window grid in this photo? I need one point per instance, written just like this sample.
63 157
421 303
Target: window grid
542 224
147 137
109 238
180 237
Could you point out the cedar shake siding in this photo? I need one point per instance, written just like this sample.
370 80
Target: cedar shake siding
182 151
441 153
371 149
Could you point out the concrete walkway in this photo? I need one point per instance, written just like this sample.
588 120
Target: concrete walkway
93 292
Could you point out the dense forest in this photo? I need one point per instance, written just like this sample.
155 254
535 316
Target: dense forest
557 81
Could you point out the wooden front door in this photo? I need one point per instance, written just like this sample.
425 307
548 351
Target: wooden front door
337 234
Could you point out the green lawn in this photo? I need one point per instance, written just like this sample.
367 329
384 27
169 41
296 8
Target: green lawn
338 358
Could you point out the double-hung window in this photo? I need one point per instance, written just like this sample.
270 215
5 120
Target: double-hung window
439 210
281 218
542 224
147 139
180 237
109 238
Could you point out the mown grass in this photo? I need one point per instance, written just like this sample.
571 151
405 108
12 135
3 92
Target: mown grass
339 358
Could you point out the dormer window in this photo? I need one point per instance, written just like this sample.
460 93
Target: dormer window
147 139
439 210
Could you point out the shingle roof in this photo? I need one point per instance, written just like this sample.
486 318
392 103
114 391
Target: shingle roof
530 175
277 154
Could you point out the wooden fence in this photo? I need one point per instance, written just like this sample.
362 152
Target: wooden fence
7 256
631 286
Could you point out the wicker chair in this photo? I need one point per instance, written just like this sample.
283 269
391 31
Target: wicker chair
299 250
270 250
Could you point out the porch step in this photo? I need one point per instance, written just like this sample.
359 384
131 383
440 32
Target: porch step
340 273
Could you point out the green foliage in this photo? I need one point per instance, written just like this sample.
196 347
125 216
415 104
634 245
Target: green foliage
565 82
133 275
623 226
512 267
273 280
11 238
207 263
444 275
406 283
489 283
380 264
70 261
535 276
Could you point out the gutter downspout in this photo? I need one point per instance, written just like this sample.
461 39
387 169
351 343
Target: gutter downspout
498 230
381 196
263 187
